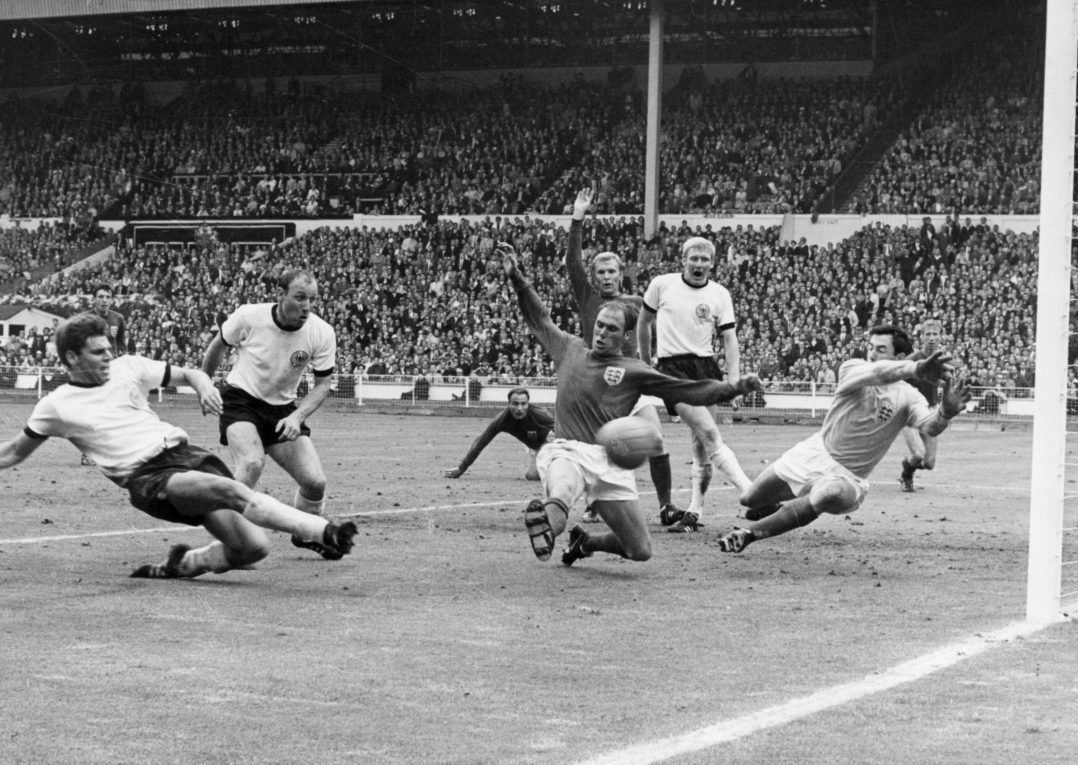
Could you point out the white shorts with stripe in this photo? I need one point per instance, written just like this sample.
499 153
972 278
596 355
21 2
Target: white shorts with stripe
599 478
807 463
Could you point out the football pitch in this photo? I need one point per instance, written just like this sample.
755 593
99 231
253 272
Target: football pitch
891 635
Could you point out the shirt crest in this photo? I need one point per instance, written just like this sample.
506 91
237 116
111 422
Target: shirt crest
299 359
702 311
614 375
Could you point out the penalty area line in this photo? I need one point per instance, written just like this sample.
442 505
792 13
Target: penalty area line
805 706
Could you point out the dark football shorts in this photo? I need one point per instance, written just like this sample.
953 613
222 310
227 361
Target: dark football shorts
241 406
688 367
147 484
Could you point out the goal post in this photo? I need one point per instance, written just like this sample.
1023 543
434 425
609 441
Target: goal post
1044 582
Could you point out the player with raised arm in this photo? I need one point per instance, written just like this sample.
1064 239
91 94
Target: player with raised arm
596 385
922 447
105 412
274 345
525 422
592 288
685 310
828 472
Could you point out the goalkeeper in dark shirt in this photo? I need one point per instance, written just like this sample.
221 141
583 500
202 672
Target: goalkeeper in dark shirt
528 424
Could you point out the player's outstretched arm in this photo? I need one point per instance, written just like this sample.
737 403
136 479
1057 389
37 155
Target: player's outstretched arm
535 313
18 449
215 353
574 254
209 398
582 203
478 445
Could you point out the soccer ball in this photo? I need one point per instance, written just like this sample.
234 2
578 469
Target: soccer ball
629 441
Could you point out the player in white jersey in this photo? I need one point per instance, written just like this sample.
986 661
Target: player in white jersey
828 472
274 345
105 412
688 309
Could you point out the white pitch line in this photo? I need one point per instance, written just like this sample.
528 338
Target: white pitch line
394 511
804 706
181 527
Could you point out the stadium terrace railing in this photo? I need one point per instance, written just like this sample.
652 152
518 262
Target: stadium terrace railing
448 393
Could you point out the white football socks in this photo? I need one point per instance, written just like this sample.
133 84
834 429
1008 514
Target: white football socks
263 510
209 558
309 505
724 459
701 480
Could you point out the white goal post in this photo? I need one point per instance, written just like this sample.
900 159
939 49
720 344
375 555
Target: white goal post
1044 585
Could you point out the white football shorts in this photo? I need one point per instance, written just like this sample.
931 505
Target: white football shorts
808 462
599 478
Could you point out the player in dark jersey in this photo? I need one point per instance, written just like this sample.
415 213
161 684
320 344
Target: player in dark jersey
596 385
102 306
528 424
922 446
592 289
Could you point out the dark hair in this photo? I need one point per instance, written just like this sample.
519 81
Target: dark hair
107 288
73 333
899 337
629 312
518 392
285 280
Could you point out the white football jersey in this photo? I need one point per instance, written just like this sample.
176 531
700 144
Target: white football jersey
270 360
687 317
112 424
864 421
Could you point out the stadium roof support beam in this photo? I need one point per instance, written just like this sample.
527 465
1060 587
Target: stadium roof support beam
655 98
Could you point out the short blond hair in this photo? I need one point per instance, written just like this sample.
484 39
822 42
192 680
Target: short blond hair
698 243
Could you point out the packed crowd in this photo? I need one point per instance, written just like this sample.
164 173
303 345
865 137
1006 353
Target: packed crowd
975 145
27 252
225 150
431 299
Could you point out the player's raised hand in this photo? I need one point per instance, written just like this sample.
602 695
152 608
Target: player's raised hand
582 203
509 257
935 369
956 394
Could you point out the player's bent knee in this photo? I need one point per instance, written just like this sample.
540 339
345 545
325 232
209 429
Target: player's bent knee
314 486
928 463
250 466
248 553
834 497
638 551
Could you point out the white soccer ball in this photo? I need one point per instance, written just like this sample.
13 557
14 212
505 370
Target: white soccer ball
629 441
